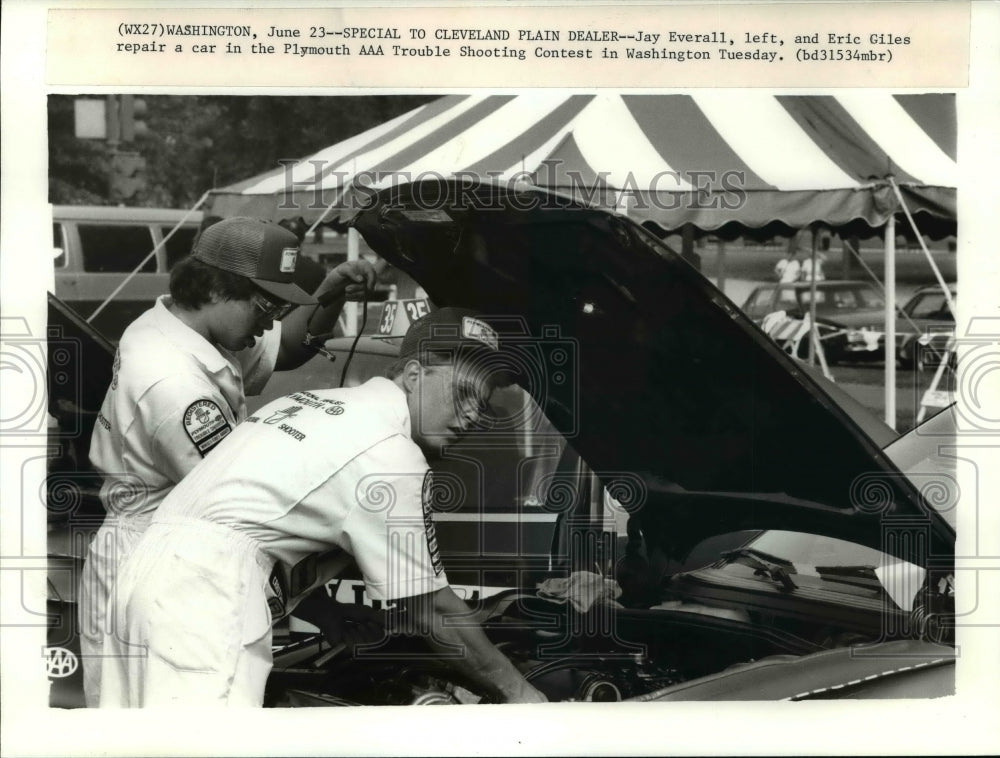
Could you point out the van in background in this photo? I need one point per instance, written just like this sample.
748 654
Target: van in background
97 247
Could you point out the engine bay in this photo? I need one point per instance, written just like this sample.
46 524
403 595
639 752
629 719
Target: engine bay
606 654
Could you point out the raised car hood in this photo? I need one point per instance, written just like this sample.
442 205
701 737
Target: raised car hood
673 383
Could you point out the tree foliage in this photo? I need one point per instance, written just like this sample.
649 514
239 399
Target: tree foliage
199 142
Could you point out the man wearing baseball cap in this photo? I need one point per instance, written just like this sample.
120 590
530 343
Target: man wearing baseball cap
343 469
181 375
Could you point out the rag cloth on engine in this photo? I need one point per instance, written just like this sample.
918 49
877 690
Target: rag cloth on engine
581 589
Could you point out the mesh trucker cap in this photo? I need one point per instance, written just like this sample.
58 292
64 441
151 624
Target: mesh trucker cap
263 252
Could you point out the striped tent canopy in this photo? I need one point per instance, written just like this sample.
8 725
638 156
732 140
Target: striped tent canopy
730 163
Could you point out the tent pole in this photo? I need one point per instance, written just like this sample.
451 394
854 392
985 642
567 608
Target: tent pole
890 322
351 308
814 340
720 267
923 246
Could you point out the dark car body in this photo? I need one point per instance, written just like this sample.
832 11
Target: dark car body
643 441
834 298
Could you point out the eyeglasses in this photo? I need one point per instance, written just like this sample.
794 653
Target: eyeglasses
473 397
270 309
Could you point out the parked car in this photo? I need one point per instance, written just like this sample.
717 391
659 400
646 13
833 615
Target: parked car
651 435
834 298
96 247
839 305
925 327
850 317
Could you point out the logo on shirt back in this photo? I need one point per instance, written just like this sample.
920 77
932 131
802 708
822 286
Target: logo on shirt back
283 415
429 531
309 400
205 425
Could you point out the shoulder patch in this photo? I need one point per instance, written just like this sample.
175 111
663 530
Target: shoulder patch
205 425
115 367
429 531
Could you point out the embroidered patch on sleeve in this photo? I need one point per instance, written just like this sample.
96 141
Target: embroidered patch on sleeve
429 531
205 425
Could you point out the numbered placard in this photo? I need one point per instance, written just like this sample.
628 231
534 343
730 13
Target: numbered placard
397 315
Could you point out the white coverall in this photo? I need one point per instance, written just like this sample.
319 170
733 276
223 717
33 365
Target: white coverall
309 472
173 397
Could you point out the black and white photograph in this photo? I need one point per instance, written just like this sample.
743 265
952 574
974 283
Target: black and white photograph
508 399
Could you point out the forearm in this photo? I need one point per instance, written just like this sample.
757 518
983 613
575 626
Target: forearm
349 281
311 319
480 660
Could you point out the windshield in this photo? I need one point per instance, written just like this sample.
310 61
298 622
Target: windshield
842 298
927 455
931 305
808 551
837 565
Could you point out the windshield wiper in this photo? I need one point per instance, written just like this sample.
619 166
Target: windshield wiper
858 576
764 564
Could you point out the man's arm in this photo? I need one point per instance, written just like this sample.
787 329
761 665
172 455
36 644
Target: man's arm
184 421
348 281
481 661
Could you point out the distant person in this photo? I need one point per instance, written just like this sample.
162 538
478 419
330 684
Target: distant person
181 376
806 271
782 264
788 268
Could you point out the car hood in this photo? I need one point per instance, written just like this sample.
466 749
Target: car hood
875 320
869 317
672 393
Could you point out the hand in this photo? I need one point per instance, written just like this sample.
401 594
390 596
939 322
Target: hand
525 694
360 276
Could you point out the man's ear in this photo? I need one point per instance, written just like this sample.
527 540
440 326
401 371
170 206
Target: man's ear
412 372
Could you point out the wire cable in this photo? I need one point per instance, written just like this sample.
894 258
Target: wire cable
361 330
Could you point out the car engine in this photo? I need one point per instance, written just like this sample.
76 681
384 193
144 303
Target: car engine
606 655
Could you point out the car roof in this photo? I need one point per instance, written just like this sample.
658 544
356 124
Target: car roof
828 284
952 286
115 213
825 284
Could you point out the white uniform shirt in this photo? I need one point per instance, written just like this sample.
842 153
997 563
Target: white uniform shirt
173 397
790 272
324 469
806 273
